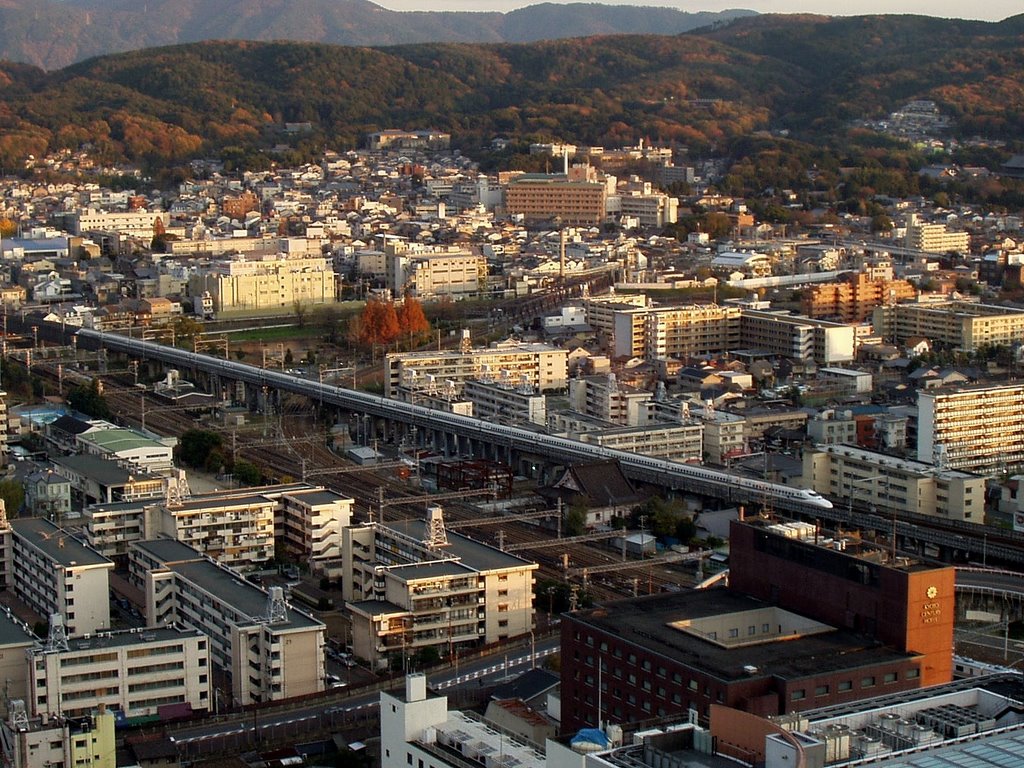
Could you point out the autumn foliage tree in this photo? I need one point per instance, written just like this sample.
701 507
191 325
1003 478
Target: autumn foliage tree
412 323
378 324
384 322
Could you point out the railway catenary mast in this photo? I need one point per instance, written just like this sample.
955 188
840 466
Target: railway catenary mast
668 474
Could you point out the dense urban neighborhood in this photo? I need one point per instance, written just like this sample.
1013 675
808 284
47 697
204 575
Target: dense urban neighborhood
395 458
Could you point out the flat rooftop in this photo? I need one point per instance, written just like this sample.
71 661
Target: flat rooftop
57 543
472 554
319 496
648 623
13 631
127 638
244 597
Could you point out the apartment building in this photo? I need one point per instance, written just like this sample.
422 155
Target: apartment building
957 325
600 311
43 742
543 366
52 572
853 300
233 530
976 429
411 585
803 338
250 283
892 485
935 238
238 527
431 275
651 209
505 403
545 198
678 442
133 673
394 138
309 525
603 397
270 650
681 332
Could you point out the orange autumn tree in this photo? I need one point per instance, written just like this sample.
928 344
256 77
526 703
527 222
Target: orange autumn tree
412 323
378 324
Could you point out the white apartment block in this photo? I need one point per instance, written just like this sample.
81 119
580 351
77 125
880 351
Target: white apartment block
959 325
418 730
270 650
110 529
140 224
261 283
134 673
410 585
543 366
677 442
725 435
803 338
231 525
504 403
682 332
935 238
52 572
310 524
833 427
651 210
430 275
976 429
891 485
602 397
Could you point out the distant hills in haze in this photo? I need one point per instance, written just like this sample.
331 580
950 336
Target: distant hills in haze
51 34
816 77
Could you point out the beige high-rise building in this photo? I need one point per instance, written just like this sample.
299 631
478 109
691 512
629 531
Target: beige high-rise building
976 429
53 573
134 672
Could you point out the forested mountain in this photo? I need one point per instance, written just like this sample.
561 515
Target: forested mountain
810 75
54 33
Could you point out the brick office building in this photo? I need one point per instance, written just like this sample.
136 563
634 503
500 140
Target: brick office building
808 621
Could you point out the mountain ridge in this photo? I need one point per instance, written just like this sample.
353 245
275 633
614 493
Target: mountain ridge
51 34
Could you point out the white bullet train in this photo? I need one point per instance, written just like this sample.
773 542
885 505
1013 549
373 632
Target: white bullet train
670 474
